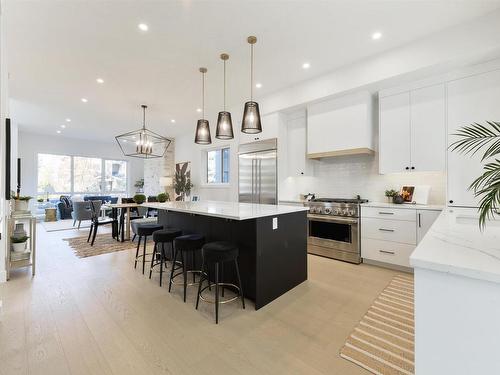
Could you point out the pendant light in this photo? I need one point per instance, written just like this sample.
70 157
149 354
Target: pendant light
224 122
202 136
143 143
251 115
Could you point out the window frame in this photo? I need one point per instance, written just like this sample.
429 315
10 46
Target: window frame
72 175
204 176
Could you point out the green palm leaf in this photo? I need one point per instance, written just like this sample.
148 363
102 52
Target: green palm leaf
472 139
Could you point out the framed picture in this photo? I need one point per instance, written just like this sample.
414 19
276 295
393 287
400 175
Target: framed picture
407 193
182 180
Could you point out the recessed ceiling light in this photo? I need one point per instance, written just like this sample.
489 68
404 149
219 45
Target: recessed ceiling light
68 120
143 27
198 109
124 141
376 35
306 65
172 121
99 80
84 100
258 85
63 126
58 132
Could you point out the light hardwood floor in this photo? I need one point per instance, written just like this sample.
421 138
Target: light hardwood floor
100 316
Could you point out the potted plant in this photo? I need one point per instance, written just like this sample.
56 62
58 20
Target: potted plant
21 202
182 185
19 244
472 139
139 185
139 198
163 197
390 194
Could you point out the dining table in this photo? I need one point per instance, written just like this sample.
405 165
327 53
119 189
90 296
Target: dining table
127 207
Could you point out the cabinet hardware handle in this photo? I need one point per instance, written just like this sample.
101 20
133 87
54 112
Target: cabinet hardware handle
407 168
386 230
451 201
387 252
420 220
385 213
412 167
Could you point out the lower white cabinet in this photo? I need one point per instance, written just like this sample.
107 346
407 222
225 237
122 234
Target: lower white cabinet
390 234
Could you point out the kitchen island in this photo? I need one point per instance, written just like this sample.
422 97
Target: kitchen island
457 296
272 241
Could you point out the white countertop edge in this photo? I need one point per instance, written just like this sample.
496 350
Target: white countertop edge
244 211
453 270
404 206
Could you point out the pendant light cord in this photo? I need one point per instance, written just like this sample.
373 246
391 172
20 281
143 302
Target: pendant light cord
224 85
251 72
203 95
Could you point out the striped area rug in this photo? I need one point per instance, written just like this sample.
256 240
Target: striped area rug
383 342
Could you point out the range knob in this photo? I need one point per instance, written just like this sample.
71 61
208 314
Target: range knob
328 210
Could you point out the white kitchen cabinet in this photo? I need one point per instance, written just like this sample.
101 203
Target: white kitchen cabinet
390 234
394 133
340 126
471 99
425 219
412 131
270 128
428 129
297 163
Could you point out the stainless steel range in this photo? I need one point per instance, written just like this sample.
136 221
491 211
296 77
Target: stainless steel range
334 228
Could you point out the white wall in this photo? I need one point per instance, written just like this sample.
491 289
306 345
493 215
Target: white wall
31 144
4 112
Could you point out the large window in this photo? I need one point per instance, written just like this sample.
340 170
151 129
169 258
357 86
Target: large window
218 166
64 174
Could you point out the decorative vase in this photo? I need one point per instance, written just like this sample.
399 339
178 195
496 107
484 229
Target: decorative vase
19 247
20 205
398 199
19 231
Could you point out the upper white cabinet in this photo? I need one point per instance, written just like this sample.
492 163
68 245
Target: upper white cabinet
341 126
412 131
471 99
297 163
394 133
270 128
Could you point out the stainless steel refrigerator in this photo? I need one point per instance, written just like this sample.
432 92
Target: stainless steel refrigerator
258 169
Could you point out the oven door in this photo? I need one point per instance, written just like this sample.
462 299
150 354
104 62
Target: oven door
334 232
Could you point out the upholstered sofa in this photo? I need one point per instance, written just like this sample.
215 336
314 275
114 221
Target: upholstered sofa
65 207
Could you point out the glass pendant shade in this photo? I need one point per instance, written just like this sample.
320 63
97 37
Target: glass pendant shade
224 126
202 136
251 118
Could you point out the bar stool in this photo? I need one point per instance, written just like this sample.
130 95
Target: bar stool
162 237
189 243
144 230
218 253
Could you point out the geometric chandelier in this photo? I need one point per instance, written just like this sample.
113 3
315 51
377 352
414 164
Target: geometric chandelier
143 143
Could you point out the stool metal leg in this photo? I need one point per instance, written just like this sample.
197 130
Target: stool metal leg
184 270
239 282
144 255
216 293
200 283
137 251
222 277
152 261
173 267
162 259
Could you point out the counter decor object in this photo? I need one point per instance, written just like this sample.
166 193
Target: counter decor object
19 231
472 139
139 198
163 197
21 203
390 194
398 199
182 181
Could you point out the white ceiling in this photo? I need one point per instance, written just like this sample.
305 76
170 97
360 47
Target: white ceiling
57 49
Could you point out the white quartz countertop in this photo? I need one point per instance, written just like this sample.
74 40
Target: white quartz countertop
410 206
454 244
227 210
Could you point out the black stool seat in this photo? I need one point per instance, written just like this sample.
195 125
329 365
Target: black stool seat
185 245
166 235
219 251
148 229
189 242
